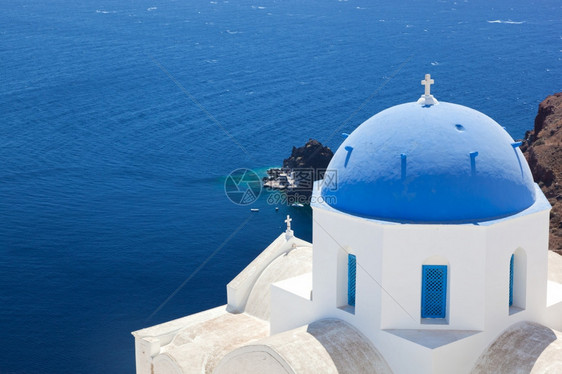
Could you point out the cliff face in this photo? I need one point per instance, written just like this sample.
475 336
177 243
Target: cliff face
313 155
543 150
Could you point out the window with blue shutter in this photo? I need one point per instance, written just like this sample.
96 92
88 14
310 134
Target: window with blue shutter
351 272
434 291
511 281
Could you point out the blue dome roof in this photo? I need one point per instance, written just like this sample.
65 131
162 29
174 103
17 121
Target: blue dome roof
442 163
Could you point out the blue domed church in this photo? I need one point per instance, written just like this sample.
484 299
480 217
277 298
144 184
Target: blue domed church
429 255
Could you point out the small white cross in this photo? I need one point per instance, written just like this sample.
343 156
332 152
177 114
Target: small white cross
427 82
288 221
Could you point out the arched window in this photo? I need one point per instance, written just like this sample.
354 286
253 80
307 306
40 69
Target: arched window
346 283
434 291
517 281
351 278
511 280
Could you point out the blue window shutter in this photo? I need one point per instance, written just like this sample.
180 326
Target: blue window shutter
434 291
511 281
351 272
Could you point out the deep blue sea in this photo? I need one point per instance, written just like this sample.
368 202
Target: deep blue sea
119 121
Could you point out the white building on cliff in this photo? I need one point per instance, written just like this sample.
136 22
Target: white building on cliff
429 255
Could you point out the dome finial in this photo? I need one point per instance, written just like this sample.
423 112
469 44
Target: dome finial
427 98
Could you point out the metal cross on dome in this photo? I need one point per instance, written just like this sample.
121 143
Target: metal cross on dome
288 221
427 82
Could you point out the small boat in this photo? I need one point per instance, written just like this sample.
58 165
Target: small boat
297 205
254 210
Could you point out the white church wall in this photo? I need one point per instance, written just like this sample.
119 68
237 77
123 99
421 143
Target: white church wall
459 357
435 352
291 304
369 293
477 257
553 318
347 234
408 247
324 262
525 236
554 292
418 358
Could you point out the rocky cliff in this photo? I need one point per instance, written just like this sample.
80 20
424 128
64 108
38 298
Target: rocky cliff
312 156
543 150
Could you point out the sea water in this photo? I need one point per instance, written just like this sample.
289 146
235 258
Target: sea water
119 121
